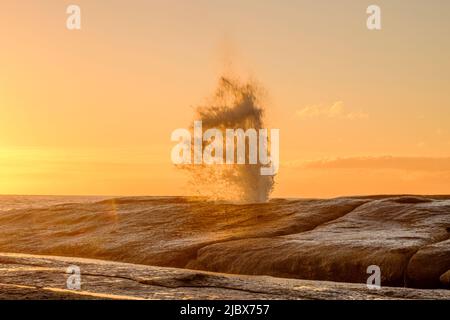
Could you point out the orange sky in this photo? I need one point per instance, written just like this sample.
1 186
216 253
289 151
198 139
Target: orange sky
91 111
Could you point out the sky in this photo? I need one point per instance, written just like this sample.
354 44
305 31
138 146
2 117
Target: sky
91 111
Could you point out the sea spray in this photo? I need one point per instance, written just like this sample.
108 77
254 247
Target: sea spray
234 105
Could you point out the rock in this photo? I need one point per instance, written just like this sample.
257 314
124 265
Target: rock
44 277
334 239
157 231
428 264
445 279
383 232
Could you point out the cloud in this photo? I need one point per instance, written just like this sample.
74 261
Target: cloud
386 162
336 110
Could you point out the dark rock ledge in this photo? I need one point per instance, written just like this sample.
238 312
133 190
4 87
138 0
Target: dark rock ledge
44 277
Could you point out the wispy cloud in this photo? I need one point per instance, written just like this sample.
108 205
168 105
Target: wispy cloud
385 162
336 110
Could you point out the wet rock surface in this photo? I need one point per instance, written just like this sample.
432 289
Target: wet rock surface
333 240
445 279
406 239
428 264
45 277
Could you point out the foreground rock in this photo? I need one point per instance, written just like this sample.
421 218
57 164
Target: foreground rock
334 240
45 277
404 237
445 279
428 264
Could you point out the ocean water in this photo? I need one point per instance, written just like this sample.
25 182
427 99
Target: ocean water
10 202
